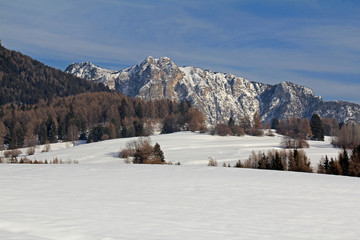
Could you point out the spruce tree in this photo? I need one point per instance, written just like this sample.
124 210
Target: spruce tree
231 122
158 153
317 128
275 124
277 162
344 162
42 133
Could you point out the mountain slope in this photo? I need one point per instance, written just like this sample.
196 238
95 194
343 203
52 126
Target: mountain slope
218 95
25 80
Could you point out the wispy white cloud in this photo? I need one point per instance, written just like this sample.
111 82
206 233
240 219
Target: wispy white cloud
230 36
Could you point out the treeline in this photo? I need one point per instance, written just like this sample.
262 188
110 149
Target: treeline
291 160
92 117
343 165
24 80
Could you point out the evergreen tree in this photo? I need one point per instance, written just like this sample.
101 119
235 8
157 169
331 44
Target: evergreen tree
317 128
158 153
51 130
326 164
2 135
354 168
231 123
275 123
170 124
139 128
123 109
277 162
96 134
344 162
42 133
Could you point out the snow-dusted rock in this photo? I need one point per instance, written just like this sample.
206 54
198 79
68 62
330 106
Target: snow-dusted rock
219 95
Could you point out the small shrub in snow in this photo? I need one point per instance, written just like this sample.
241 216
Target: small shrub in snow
46 148
25 160
270 133
141 152
7 153
30 151
126 153
239 164
128 160
288 142
212 162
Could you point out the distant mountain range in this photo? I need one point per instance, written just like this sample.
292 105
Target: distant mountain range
218 95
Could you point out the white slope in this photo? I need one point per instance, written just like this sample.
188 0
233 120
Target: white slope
102 201
184 147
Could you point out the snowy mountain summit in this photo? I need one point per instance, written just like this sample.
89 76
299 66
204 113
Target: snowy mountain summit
218 95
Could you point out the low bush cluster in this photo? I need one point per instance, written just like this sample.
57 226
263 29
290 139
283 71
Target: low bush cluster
140 151
26 160
212 162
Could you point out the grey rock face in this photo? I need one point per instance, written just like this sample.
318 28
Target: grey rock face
219 96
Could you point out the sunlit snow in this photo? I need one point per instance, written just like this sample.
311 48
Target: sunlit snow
103 198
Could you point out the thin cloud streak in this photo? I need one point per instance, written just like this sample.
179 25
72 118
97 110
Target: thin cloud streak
238 37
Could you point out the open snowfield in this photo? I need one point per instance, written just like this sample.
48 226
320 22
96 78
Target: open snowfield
103 198
185 147
97 201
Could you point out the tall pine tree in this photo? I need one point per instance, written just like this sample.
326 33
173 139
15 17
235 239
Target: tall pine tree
317 128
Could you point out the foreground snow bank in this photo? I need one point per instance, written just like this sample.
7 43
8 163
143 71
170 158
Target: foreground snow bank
104 201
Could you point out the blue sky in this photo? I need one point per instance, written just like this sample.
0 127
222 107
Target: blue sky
315 43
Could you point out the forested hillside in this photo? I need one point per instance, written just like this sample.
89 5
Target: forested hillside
92 117
24 80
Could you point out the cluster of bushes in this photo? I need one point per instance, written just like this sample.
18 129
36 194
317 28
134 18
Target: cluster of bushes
343 165
297 131
141 151
244 126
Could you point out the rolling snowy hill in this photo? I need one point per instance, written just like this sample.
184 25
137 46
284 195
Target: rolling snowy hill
104 198
185 147
99 201
219 95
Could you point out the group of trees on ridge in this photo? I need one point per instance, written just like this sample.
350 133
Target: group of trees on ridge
342 165
297 160
93 117
246 126
291 160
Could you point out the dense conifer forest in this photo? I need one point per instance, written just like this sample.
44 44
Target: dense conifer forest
24 80
93 117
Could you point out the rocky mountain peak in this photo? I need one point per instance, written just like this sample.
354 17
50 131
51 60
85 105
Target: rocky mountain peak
218 95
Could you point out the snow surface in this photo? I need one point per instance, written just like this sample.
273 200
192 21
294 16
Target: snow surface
185 147
98 200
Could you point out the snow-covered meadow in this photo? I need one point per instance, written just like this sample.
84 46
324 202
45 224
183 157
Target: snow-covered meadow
185 147
103 198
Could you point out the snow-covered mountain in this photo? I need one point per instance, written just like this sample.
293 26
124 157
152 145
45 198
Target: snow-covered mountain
218 95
